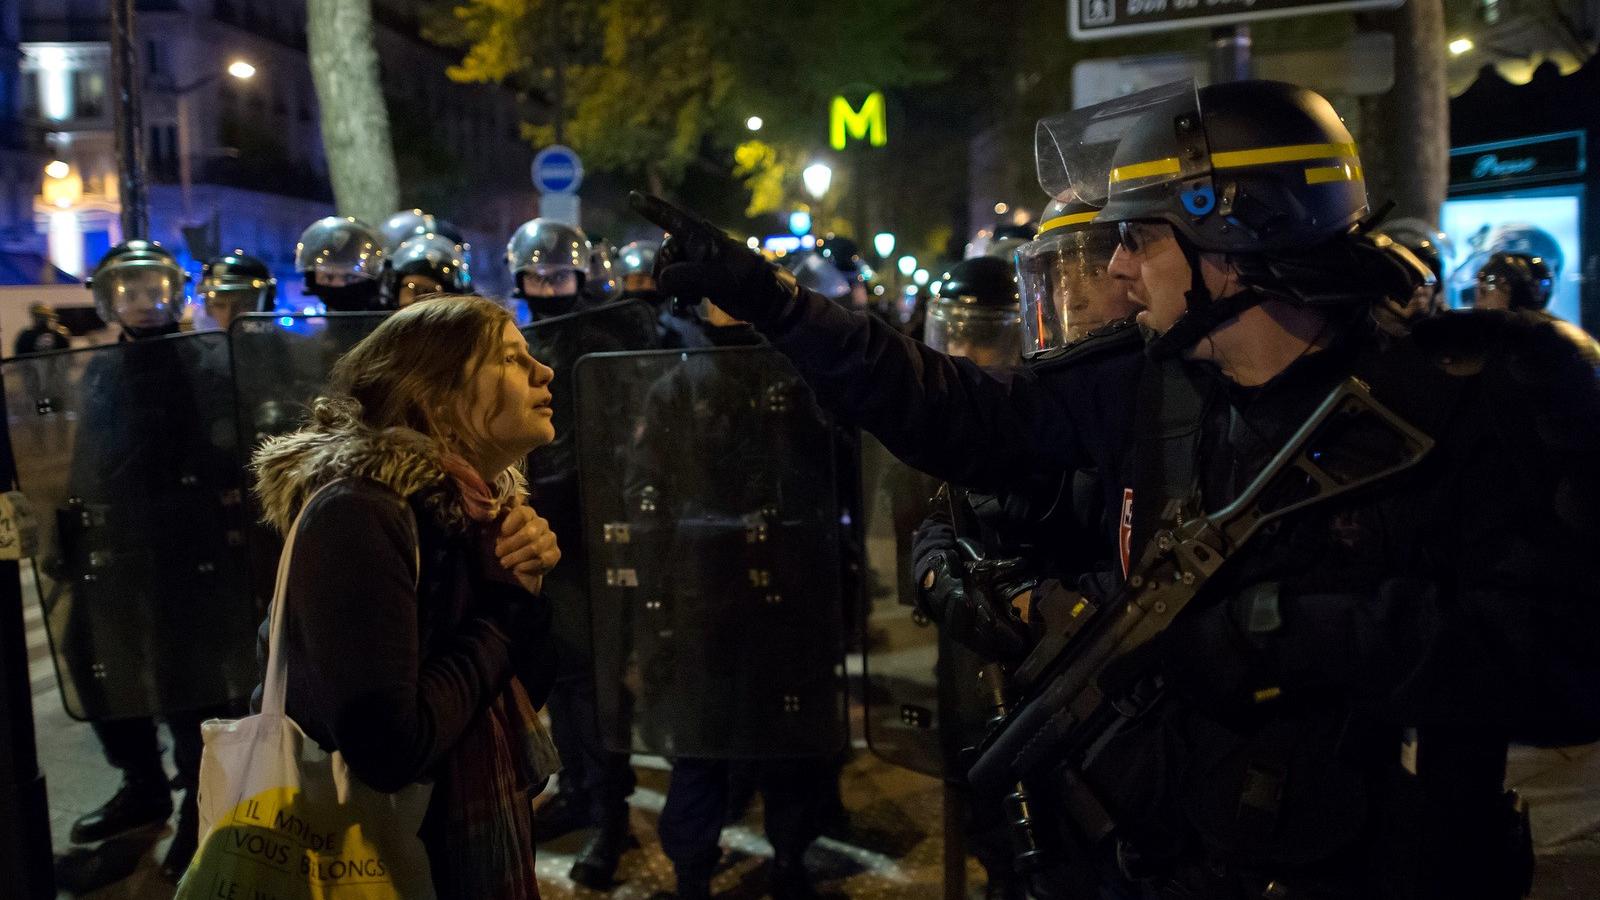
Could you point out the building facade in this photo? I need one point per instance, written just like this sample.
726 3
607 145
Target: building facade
232 141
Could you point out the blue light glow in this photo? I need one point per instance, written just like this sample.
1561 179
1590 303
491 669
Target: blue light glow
286 321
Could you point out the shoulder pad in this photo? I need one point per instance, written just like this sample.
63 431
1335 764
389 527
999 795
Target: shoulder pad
1120 335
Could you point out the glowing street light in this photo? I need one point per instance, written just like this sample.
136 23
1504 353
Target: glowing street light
883 242
921 276
754 123
241 70
58 169
907 265
1460 45
817 177
799 222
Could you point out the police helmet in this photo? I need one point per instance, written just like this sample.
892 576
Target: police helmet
408 223
1426 243
546 249
1063 277
341 258
976 314
636 266
1514 281
425 264
139 285
845 256
1007 238
236 283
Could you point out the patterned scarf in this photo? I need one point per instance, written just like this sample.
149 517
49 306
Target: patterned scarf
496 768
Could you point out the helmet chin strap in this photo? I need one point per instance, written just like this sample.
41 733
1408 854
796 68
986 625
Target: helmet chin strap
1202 312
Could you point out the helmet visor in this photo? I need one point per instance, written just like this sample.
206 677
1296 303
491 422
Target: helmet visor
338 256
1066 288
988 336
140 296
1074 151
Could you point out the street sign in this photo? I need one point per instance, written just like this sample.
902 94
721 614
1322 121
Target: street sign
557 170
1095 19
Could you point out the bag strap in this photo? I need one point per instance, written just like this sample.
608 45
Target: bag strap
275 684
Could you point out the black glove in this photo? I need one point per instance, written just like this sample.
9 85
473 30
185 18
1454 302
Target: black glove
699 260
971 607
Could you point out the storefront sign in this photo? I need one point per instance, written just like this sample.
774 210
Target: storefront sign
1095 19
1547 157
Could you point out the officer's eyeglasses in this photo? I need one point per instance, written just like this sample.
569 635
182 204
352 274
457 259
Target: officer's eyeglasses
1136 236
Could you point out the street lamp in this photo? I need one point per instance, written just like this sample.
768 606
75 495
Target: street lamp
58 169
799 223
1460 45
883 242
920 276
907 264
817 177
241 70
754 123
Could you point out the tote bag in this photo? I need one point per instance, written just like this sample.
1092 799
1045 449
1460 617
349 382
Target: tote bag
280 819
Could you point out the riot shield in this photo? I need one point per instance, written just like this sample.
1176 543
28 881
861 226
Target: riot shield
559 342
281 364
128 453
712 515
927 697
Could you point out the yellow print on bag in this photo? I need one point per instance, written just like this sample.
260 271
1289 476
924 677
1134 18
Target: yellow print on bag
270 848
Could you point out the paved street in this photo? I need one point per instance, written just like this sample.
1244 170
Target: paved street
895 847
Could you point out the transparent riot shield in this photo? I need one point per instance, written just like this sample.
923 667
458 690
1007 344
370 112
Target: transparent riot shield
927 697
712 516
129 455
559 342
281 364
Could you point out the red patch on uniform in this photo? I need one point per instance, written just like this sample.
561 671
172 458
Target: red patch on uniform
1125 529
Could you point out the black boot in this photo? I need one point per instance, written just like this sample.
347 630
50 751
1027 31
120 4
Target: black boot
185 840
596 865
139 802
790 881
565 813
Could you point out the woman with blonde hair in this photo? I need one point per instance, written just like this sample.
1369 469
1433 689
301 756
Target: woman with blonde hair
413 604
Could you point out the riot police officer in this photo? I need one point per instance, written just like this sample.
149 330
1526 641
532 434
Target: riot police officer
677 324
1330 722
233 284
139 407
1067 292
549 263
1517 281
45 334
845 256
341 258
424 264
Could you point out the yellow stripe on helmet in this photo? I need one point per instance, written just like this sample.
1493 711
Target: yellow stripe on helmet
1266 156
1328 174
1082 218
1168 166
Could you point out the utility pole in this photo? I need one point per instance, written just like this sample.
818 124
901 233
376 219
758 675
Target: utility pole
128 122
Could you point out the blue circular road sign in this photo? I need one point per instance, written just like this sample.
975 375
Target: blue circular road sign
557 170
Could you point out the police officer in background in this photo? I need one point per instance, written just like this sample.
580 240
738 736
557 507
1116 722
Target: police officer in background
677 324
1330 716
549 263
421 265
121 450
1517 281
845 256
977 314
45 334
233 284
1433 248
341 258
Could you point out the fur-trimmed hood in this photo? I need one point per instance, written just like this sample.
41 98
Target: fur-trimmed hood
291 467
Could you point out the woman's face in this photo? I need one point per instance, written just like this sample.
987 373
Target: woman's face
509 400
